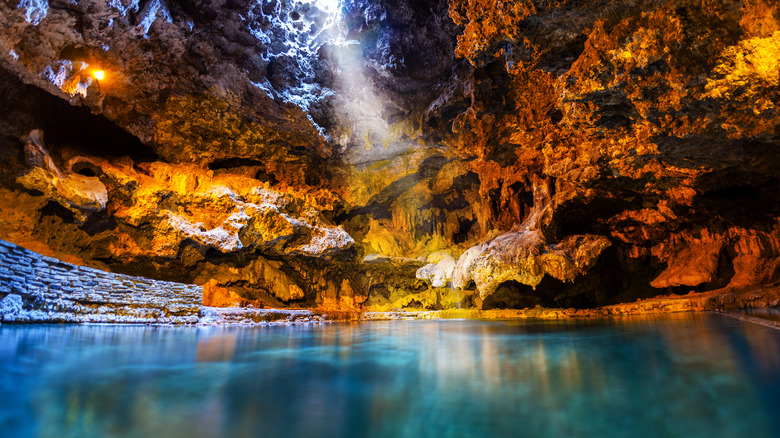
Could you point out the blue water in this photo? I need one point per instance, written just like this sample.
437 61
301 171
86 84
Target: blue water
695 376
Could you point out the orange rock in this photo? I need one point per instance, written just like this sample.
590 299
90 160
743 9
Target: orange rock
216 296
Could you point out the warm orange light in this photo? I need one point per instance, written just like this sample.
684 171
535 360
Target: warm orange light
99 75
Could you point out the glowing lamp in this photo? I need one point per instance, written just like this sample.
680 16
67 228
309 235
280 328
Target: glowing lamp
99 75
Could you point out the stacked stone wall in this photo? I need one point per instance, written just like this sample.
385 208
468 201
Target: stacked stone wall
37 288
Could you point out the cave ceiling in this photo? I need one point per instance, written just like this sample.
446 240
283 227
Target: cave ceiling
375 153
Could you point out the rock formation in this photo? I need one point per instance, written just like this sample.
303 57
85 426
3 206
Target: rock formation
386 154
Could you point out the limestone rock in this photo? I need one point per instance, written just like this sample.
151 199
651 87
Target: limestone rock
78 193
524 257
11 307
259 281
691 266
39 289
696 258
184 203
172 50
439 270
217 296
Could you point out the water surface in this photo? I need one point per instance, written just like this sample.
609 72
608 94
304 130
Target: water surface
768 313
700 375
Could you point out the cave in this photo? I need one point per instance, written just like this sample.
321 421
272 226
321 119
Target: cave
506 198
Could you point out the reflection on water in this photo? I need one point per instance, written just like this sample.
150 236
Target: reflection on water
770 313
690 375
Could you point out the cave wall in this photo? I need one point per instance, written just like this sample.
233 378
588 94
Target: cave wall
40 289
374 155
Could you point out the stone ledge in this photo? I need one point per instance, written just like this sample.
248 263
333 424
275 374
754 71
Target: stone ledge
252 316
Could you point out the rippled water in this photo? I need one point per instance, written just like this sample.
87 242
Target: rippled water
696 375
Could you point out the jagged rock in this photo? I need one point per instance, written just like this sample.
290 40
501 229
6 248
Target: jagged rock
11 307
157 62
162 213
217 296
439 270
696 258
258 281
524 257
186 203
80 194
691 266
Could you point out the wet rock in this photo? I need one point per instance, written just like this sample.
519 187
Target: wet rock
249 316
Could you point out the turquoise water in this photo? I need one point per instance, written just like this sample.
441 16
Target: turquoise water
694 376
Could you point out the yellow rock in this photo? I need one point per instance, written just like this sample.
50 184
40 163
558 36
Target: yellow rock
524 257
